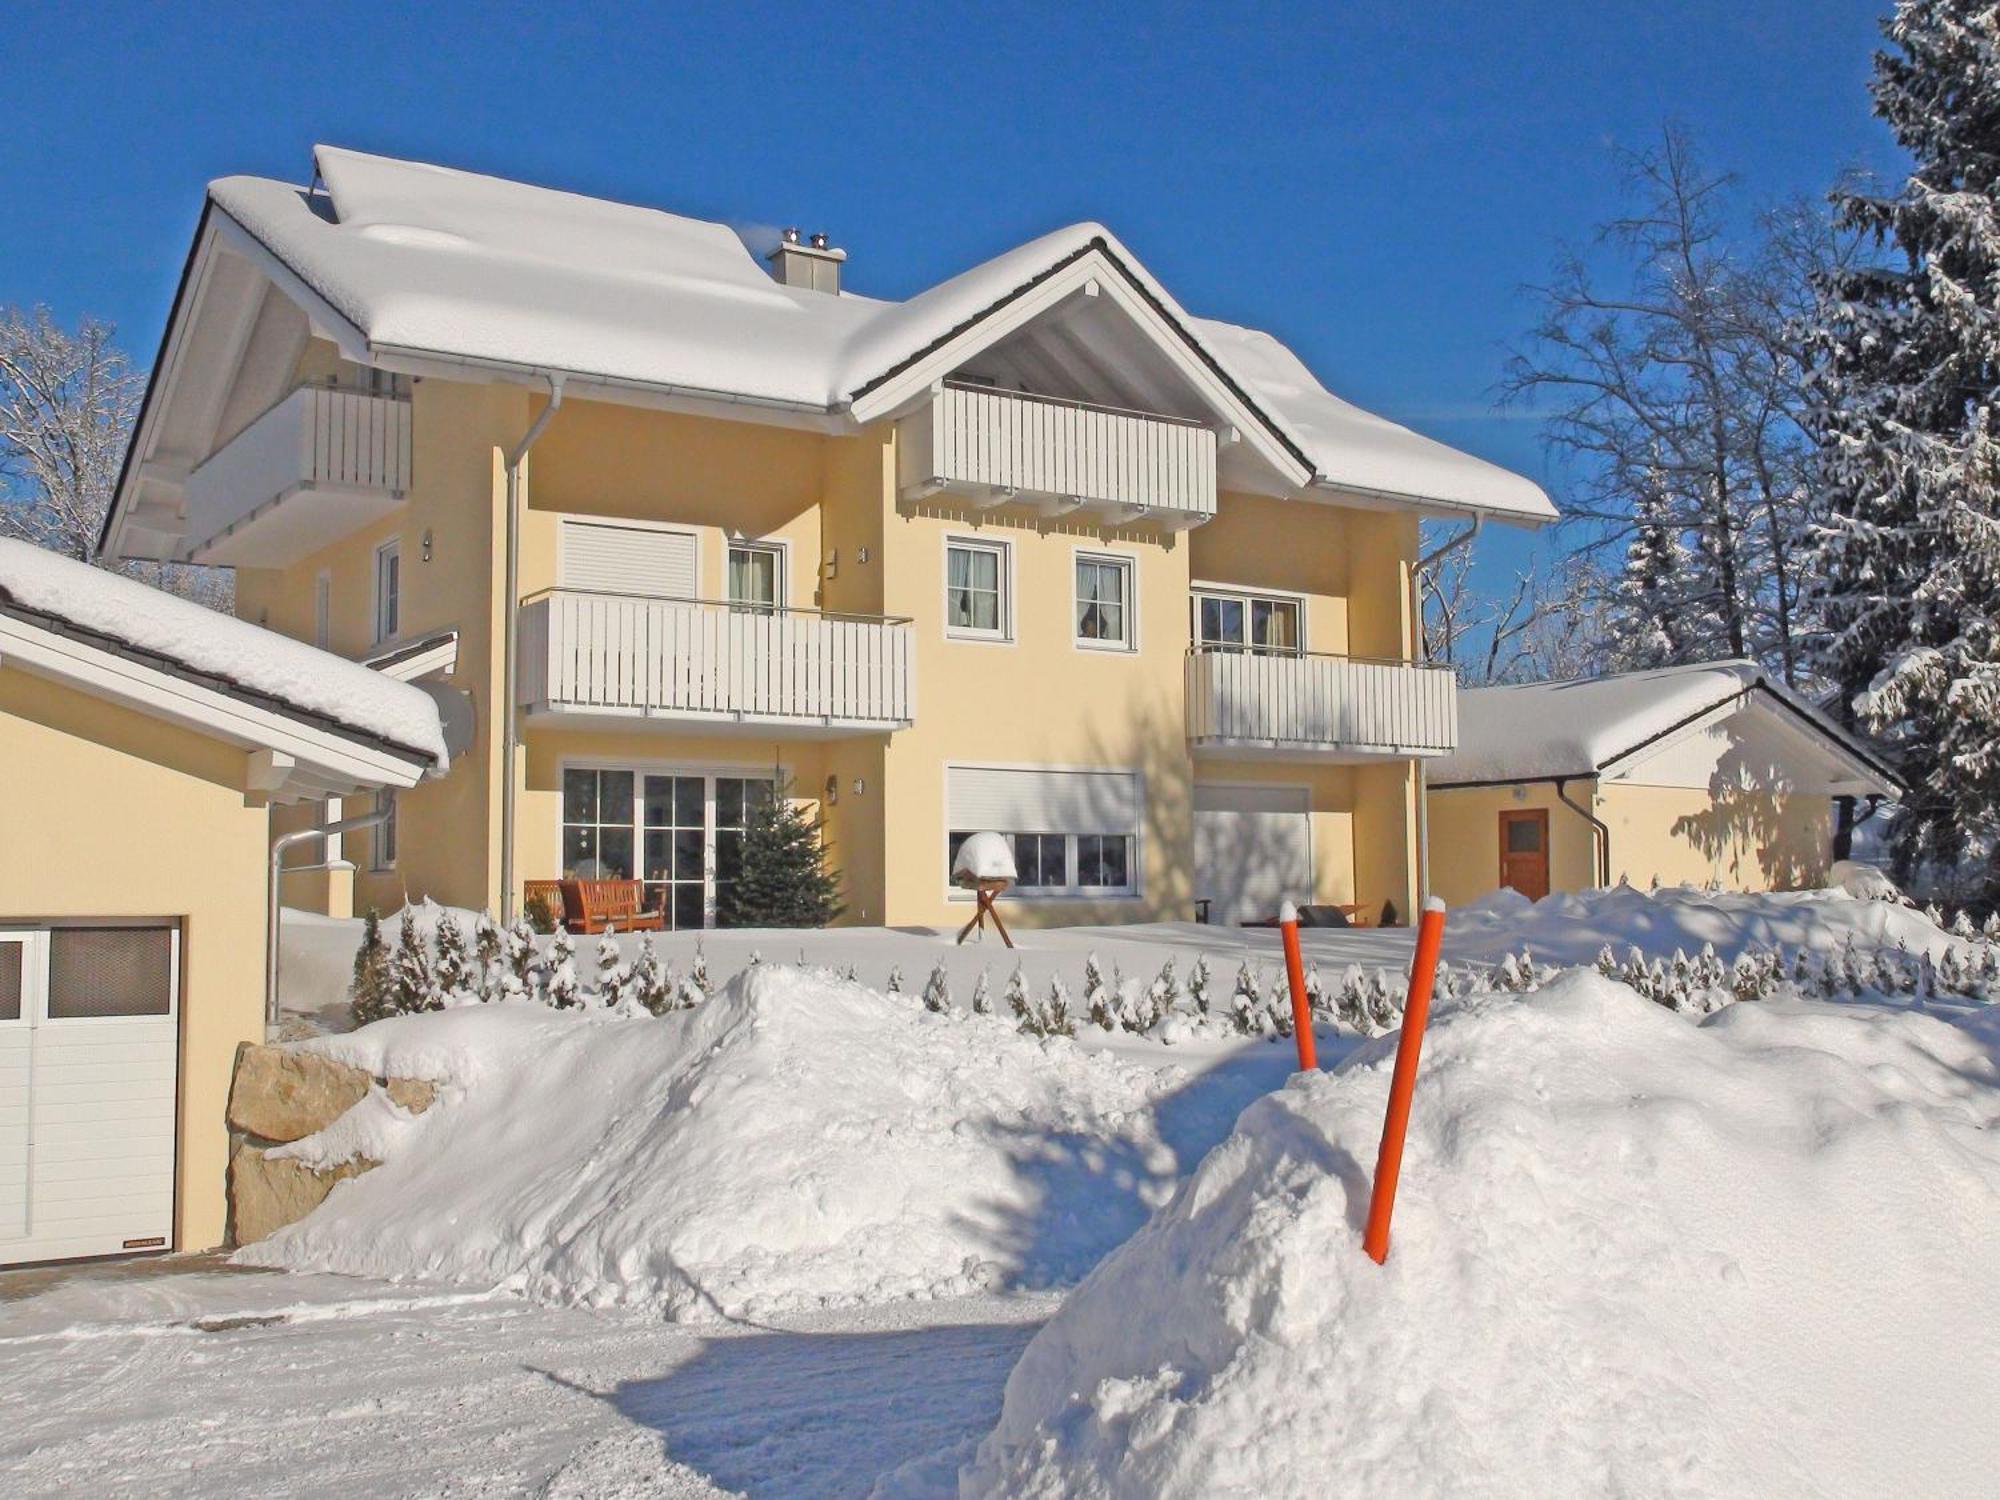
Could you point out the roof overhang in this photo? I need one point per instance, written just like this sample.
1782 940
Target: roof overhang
1092 269
289 756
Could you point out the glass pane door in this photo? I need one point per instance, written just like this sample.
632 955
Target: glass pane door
675 815
734 797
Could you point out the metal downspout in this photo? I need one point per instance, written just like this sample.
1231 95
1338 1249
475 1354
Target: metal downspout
1603 831
276 873
510 630
1450 544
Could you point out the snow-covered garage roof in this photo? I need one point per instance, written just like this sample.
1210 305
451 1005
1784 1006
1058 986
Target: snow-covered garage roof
1590 726
432 262
79 611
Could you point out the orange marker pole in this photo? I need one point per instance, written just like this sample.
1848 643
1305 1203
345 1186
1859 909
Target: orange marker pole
1416 1011
1295 971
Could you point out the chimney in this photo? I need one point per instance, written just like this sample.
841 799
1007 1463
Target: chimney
812 264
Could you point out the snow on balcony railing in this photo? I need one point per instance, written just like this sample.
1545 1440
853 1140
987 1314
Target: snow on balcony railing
627 655
1001 444
1303 701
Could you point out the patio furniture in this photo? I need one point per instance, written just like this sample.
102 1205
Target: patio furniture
1324 914
597 905
548 895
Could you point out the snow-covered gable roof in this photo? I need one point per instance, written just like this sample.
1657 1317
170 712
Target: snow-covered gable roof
1539 731
291 675
430 261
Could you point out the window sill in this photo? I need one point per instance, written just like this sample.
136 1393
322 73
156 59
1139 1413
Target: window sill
977 638
1037 893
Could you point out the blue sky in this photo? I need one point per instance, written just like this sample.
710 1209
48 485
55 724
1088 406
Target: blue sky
1374 183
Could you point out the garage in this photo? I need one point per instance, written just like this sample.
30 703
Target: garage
1252 849
89 1058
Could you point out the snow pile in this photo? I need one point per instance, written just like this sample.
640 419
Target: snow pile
220 645
796 1141
1631 1256
1569 928
984 856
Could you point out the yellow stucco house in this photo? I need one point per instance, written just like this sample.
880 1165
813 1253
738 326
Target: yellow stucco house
1035 551
146 740
1699 774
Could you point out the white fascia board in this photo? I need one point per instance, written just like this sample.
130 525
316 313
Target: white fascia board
1801 725
118 679
1357 497
912 383
322 314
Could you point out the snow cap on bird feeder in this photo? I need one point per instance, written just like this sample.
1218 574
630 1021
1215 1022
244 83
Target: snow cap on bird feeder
984 856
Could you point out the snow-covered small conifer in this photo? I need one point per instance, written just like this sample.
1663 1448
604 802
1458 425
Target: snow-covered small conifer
455 974
371 993
982 997
1198 983
1246 1001
697 975
1016 996
937 989
489 957
894 984
651 985
612 975
416 978
565 992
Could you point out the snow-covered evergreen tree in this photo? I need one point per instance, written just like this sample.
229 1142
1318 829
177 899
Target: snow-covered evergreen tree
612 979
1246 1001
937 989
522 964
1016 996
1649 596
489 957
415 976
1908 376
1097 999
455 972
982 996
651 985
372 993
697 976
1199 981
782 877
565 991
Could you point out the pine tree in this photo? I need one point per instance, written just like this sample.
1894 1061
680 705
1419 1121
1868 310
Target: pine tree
697 977
937 989
489 953
371 994
1198 983
982 998
564 991
455 973
782 878
612 975
651 985
1097 1003
893 985
415 978
1649 598
1246 1001
1017 996
1907 379
523 960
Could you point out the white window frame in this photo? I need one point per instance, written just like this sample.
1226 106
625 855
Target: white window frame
709 772
1128 564
1247 597
1135 842
780 570
1004 580
388 601
37 959
382 837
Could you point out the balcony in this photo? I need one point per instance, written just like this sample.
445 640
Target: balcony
1312 706
996 446
313 468
620 657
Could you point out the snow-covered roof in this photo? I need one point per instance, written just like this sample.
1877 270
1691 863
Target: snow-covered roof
435 262
1542 730
132 616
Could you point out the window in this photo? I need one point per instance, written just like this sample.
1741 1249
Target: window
686 828
1248 622
12 978
975 599
1036 807
1064 863
1103 861
1104 601
756 576
382 837
97 972
388 590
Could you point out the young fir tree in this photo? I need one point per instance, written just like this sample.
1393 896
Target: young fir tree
1649 597
782 878
371 995
982 996
612 975
564 992
489 953
1907 379
523 975
651 985
937 989
455 974
1016 996
415 977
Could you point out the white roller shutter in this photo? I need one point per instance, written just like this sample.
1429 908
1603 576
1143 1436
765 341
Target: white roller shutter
611 559
1011 800
1252 850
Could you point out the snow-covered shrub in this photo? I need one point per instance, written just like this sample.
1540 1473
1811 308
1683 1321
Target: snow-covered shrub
1016 996
455 976
1247 1011
371 993
564 990
651 985
1198 983
1051 1017
982 997
696 982
1097 1001
414 974
937 989
894 984
612 976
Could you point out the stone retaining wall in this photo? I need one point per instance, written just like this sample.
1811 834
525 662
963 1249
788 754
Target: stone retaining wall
278 1096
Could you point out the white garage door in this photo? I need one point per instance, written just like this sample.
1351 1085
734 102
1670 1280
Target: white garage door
1252 850
89 1054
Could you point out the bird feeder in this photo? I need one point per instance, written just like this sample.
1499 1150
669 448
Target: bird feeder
985 866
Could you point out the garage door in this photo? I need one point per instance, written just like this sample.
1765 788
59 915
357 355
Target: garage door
89 1055
1252 850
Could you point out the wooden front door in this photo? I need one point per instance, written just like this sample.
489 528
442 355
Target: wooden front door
1524 851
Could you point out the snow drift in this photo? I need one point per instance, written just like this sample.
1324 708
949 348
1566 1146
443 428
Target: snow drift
797 1141
1631 1256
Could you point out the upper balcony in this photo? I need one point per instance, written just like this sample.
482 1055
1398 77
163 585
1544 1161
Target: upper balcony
623 657
1305 705
316 466
995 446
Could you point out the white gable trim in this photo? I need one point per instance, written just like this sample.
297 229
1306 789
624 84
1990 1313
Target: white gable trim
289 759
910 382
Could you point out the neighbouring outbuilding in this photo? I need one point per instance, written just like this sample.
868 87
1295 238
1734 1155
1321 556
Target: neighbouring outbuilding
1711 773
145 740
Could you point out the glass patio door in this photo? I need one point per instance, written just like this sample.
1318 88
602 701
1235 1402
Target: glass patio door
680 833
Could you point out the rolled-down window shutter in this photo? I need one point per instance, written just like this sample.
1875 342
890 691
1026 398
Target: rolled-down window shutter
613 559
1021 801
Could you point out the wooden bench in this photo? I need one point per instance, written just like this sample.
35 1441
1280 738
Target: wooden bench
595 905
1356 914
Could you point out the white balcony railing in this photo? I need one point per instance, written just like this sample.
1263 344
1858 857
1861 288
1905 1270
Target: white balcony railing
352 448
1321 704
625 655
1003 444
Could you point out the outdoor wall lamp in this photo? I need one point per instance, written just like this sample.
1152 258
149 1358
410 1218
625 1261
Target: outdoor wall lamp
832 790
